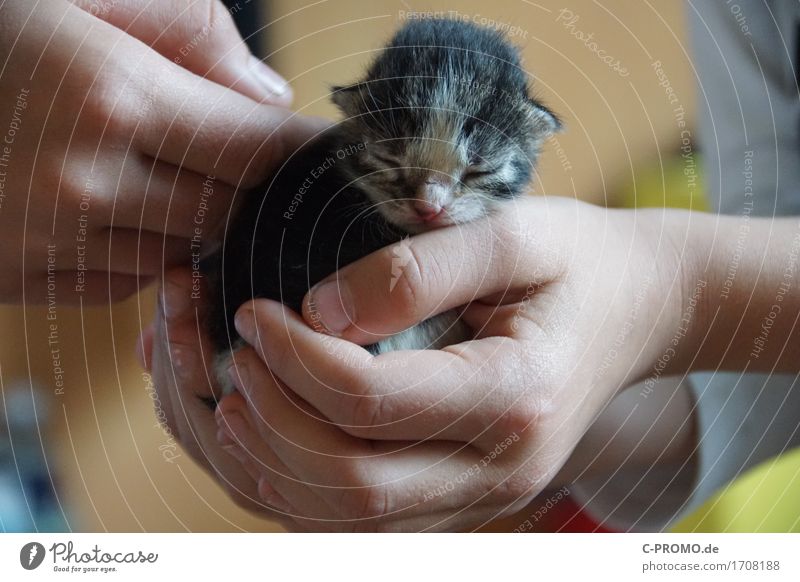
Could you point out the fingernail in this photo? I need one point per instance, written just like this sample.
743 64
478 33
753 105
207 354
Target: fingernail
331 308
231 423
269 79
271 497
245 324
224 439
176 300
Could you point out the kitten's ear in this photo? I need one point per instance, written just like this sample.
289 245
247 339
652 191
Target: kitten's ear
348 99
548 120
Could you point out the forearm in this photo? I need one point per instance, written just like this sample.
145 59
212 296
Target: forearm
742 275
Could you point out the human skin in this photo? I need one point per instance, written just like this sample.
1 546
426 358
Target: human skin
571 303
117 113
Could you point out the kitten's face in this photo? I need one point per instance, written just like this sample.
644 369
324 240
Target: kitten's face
450 133
445 166
440 176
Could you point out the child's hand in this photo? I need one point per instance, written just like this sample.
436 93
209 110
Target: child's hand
566 301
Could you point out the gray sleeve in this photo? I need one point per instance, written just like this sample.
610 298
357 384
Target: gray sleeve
748 106
741 421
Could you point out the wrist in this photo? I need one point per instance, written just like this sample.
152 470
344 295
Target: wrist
739 297
669 290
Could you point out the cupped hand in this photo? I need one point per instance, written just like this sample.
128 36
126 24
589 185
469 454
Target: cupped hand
177 353
569 303
125 129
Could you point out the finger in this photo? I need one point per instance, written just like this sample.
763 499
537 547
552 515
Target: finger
366 479
132 252
183 379
277 485
173 115
512 320
200 36
466 393
401 285
159 197
212 131
234 417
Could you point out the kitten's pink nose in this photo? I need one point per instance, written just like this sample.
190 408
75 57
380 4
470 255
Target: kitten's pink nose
427 210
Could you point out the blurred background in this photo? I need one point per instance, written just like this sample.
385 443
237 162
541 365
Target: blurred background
89 455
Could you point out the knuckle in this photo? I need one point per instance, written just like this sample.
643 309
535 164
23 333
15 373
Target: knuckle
412 274
75 184
521 415
369 411
107 107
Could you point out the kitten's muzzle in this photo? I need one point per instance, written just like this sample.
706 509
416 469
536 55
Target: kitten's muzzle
431 200
427 211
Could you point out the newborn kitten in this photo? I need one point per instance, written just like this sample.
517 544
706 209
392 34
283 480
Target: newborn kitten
441 131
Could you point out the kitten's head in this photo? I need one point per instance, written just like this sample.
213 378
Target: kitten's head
449 125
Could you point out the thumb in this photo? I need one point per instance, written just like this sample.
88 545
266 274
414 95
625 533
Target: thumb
401 285
200 36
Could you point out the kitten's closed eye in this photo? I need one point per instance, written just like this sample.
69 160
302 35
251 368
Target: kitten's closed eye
386 159
477 173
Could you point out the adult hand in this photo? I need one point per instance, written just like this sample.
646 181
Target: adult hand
569 303
113 115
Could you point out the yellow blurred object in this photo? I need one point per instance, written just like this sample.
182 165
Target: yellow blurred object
673 182
764 500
